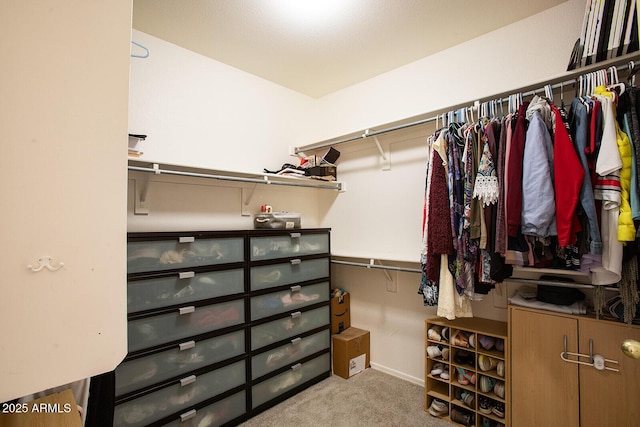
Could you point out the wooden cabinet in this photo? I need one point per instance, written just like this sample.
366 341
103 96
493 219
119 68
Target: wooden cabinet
222 325
547 390
474 353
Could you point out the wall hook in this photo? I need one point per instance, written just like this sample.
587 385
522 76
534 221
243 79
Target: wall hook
45 262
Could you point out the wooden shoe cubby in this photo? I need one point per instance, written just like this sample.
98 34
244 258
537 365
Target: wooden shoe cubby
467 353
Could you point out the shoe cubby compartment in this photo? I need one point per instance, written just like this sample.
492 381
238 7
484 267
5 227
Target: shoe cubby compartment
488 422
464 397
476 354
464 358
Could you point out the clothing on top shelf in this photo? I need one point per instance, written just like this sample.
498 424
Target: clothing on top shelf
539 187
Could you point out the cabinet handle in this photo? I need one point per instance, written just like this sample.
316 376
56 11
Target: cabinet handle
188 380
186 274
296 314
186 239
296 366
187 310
296 288
296 340
295 261
631 348
186 345
295 235
187 415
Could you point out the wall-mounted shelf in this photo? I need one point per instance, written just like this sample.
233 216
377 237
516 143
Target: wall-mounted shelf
233 176
254 178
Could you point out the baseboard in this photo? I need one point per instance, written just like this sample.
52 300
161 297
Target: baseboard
397 374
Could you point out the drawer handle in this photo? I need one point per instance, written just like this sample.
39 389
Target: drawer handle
187 415
295 235
187 310
186 239
186 345
295 261
188 380
186 274
296 340
296 366
296 314
296 288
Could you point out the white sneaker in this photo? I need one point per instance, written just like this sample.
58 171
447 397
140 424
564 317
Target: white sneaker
438 408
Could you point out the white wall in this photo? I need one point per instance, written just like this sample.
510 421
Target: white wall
380 214
202 113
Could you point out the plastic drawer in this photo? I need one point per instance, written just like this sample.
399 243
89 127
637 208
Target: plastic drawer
182 252
189 391
294 271
213 415
290 299
181 288
288 327
288 245
297 375
288 354
183 322
185 357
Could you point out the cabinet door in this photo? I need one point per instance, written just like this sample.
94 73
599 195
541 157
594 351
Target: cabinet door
544 389
609 398
63 180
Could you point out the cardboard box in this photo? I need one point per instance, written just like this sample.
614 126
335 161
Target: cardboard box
350 352
340 313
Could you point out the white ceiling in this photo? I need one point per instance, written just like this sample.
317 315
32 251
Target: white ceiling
319 53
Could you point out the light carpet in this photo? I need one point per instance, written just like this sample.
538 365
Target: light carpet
370 398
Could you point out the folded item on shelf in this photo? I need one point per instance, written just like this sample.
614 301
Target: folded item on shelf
575 308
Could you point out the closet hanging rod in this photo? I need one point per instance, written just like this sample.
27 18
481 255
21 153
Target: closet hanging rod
381 267
570 79
560 284
266 179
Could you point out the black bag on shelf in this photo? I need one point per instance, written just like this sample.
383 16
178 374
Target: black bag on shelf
558 295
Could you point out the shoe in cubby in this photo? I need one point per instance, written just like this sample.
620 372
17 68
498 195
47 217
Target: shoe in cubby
438 352
465 376
486 384
487 363
487 342
499 389
462 416
445 375
435 333
498 409
465 396
438 408
485 405
437 369
464 357
462 339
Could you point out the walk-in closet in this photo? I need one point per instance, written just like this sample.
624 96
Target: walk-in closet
389 213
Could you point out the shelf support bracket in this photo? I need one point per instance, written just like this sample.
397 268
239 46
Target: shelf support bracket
384 154
141 198
386 273
247 196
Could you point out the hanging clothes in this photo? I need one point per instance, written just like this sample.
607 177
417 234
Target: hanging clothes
538 197
568 180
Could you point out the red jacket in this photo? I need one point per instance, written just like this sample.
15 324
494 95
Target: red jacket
568 174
